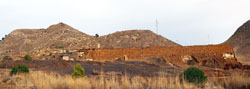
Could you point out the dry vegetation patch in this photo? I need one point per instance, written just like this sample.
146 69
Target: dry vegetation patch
43 80
52 80
237 81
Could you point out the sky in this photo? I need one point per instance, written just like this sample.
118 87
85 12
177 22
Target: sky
187 22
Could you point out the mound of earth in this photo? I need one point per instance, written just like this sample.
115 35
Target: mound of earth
215 56
33 41
240 41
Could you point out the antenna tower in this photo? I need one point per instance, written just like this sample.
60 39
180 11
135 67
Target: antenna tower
156 25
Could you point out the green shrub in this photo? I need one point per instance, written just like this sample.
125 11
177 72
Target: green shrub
96 35
27 57
19 69
78 71
194 75
67 51
4 37
61 47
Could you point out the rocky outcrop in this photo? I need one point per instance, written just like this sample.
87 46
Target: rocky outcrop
190 60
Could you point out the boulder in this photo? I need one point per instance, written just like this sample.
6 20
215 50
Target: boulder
228 56
190 60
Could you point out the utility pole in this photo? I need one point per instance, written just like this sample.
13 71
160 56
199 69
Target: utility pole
156 25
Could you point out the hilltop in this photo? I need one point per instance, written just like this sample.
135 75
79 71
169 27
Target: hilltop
58 35
134 38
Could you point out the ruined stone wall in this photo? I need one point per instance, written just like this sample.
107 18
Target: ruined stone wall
209 55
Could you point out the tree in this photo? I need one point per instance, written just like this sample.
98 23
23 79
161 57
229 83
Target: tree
96 35
78 71
4 37
194 75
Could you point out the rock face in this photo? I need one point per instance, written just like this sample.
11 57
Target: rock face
63 36
240 41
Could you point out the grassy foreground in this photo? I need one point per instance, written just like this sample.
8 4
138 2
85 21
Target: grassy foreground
42 80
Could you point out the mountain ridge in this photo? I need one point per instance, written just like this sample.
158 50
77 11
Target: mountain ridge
62 35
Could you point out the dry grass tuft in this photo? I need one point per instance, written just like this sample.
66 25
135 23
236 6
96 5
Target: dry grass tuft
237 81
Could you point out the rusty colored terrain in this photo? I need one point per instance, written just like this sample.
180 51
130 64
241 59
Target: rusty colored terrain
209 55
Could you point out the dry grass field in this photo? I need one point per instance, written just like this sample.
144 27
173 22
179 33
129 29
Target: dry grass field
45 80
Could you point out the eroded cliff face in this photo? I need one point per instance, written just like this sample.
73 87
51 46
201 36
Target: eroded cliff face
217 56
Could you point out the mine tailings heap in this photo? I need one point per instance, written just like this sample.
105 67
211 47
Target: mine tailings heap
216 56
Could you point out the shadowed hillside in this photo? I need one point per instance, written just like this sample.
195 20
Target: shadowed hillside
240 41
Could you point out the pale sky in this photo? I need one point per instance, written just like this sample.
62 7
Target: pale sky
187 22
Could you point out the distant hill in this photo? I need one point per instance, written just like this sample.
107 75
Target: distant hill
59 35
62 35
134 38
240 41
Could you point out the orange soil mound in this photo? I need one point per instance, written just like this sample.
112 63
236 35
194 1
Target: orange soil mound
209 55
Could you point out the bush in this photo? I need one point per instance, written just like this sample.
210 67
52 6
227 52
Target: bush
19 69
96 35
194 75
67 51
61 47
78 71
27 57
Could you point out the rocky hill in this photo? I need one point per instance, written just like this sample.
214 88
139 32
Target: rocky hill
59 35
64 36
240 41
134 38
